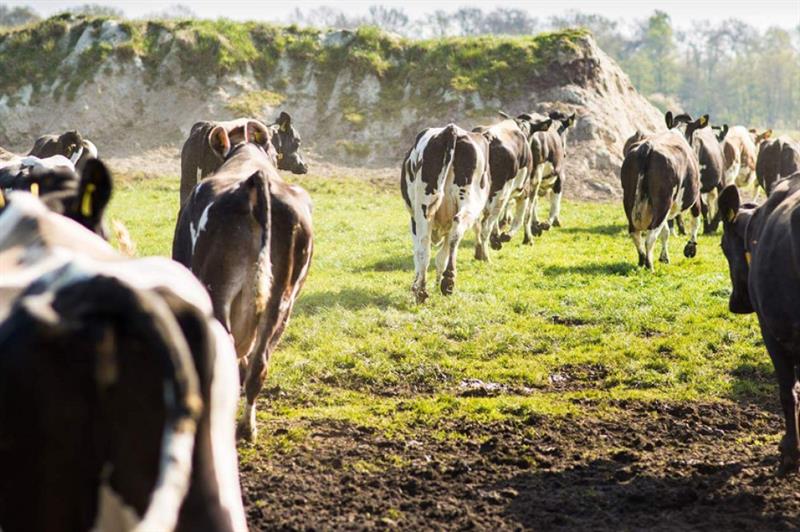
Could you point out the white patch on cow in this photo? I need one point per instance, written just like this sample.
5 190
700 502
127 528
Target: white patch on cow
201 226
174 474
76 155
642 213
263 280
224 400
419 148
90 148
48 163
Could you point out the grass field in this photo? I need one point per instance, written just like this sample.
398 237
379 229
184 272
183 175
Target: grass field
568 331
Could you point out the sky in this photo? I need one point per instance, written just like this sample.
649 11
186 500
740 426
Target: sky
759 13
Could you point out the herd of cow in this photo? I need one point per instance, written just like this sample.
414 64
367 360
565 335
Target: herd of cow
118 376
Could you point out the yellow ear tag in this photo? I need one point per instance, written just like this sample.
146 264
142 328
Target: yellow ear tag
35 189
747 257
86 201
258 137
280 156
2 200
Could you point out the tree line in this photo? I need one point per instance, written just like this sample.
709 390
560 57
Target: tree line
737 73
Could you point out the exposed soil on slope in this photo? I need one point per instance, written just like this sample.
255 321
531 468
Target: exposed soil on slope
653 466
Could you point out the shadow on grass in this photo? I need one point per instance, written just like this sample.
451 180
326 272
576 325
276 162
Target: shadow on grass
394 263
594 268
348 298
755 384
612 229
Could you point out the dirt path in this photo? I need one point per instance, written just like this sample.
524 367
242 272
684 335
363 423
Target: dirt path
653 466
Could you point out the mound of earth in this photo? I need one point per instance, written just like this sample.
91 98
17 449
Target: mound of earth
358 97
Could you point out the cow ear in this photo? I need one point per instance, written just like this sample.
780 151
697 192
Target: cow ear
503 114
767 134
729 203
257 133
219 141
94 191
571 120
284 121
669 119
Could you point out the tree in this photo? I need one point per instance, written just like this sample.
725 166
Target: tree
17 16
96 10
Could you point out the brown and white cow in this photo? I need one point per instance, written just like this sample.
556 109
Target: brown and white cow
445 185
71 145
117 387
280 140
549 148
247 235
739 152
660 180
511 177
777 158
708 152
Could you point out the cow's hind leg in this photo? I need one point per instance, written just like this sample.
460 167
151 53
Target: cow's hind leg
254 381
664 257
649 244
422 257
460 225
788 390
636 236
555 203
690 250
520 216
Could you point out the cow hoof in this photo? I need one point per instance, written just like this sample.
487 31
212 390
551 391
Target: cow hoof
495 242
480 254
545 226
536 229
642 260
421 296
447 285
505 237
690 250
556 223
527 241
663 259
649 265
790 461
245 432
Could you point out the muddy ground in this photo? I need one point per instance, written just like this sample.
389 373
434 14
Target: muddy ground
649 466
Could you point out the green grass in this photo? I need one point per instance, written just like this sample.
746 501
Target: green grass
358 348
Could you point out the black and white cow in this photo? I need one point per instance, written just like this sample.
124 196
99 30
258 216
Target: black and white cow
762 246
660 180
82 198
286 140
247 235
445 185
549 148
710 160
511 177
71 145
777 158
117 387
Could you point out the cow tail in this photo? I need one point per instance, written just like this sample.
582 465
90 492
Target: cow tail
451 136
643 159
262 210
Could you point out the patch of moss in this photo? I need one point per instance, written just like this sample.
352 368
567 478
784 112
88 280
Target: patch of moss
253 103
